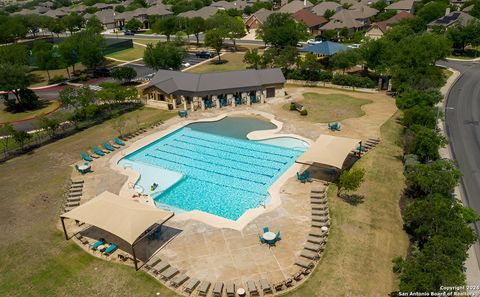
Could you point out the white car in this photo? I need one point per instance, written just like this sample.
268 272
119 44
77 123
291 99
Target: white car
186 64
355 45
313 41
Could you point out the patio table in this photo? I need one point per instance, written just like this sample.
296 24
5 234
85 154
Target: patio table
269 236
83 167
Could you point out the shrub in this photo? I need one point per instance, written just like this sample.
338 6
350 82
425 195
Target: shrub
292 106
353 81
57 79
350 180
83 77
411 98
426 143
310 75
425 116
303 112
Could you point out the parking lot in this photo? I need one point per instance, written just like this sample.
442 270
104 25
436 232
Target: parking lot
145 73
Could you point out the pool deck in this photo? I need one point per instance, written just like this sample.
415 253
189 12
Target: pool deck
212 253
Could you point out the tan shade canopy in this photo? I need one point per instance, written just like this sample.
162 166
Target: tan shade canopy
329 150
125 218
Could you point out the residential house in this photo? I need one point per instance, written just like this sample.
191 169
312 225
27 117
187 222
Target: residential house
377 30
322 7
36 10
352 19
204 12
47 4
142 15
295 6
257 19
402 5
57 13
106 17
79 9
452 19
240 5
103 6
313 21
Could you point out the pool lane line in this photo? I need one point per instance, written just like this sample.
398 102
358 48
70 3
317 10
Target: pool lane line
226 151
238 147
210 171
214 163
222 157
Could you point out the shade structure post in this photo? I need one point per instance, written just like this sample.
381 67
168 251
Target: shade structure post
64 229
134 258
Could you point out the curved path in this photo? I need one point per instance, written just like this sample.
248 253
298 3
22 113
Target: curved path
462 122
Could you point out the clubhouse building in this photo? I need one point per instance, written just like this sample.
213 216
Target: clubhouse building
175 89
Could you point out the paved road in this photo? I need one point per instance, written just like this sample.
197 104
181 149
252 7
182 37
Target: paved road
462 119
191 38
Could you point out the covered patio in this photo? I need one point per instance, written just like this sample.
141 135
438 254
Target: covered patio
127 220
329 153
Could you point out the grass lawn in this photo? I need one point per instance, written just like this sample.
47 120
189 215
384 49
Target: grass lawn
145 41
6 116
365 237
129 54
36 260
40 77
332 107
235 62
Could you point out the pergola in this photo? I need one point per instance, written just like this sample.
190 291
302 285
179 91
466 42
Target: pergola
329 150
119 216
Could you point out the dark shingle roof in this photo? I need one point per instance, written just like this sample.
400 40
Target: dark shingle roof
177 81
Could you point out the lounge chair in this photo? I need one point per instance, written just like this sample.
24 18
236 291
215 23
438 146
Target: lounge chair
321 219
76 186
318 224
111 248
238 100
317 195
317 232
218 289
203 289
309 254
230 289
161 266
86 157
318 189
252 288
178 280
298 276
304 263
77 182
74 203
289 282
107 146
119 141
315 200
97 244
266 229
318 206
262 240
113 144
98 151
265 286
301 178
191 285
315 247
74 194
306 175
278 286
168 273
317 212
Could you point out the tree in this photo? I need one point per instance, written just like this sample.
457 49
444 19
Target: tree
196 26
280 30
94 25
166 26
410 98
432 11
475 12
350 180
21 138
11 29
133 25
76 97
115 93
6 132
12 79
124 73
14 54
73 22
90 46
328 13
463 36
253 58
214 39
69 53
43 53
426 143
425 116
56 26
375 55
345 60
164 56
236 30
48 124
440 177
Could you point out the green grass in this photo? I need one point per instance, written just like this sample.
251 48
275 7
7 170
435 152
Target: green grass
36 260
234 62
332 107
39 78
129 54
6 116
364 238
145 41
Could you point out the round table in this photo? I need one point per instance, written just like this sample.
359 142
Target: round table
324 228
269 236
83 167
241 292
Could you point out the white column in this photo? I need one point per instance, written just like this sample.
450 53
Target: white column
231 98
174 102
245 97
264 96
184 102
215 101
191 104
202 104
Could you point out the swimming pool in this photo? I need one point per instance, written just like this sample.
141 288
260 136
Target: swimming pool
221 175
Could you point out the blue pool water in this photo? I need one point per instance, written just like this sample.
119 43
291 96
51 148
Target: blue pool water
223 176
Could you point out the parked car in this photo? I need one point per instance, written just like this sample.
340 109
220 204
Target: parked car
186 64
129 33
313 41
355 45
99 72
204 55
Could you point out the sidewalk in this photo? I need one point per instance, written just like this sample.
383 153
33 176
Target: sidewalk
472 266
